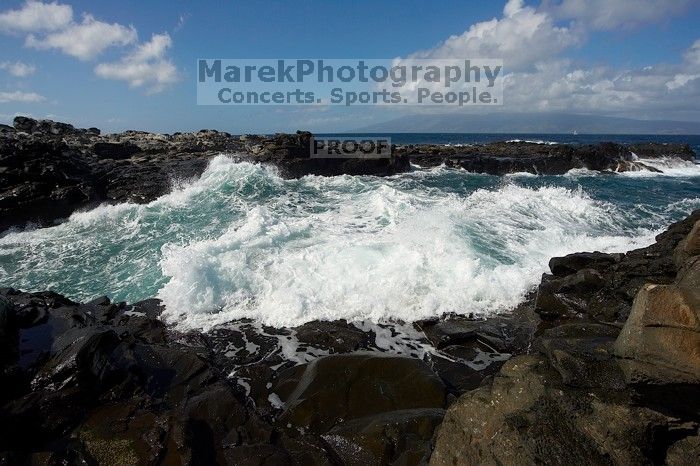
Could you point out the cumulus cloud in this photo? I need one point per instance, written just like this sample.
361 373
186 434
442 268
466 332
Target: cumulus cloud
19 96
36 16
521 37
692 55
558 85
87 39
18 69
51 26
146 66
608 15
532 42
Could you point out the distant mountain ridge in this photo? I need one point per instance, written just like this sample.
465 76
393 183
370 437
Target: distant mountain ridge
542 123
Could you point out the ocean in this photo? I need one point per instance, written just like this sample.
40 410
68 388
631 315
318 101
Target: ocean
242 242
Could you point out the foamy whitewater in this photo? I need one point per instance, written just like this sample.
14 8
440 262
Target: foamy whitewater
243 242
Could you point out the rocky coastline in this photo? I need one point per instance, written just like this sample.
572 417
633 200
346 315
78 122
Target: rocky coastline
49 169
599 365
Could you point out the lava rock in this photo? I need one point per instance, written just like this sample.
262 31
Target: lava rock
335 336
660 342
398 437
526 416
117 151
335 389
572 263
583 355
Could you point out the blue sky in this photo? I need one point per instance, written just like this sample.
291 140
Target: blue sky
131 64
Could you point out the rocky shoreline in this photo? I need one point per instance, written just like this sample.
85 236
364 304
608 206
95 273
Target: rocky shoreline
599 365
49 169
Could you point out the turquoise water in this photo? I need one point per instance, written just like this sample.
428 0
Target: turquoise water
243 242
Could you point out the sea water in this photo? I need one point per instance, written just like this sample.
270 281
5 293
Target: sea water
242 242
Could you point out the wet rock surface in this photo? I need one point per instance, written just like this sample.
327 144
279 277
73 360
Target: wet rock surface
49 169
501 158
109 383
599 365
613 380
615 386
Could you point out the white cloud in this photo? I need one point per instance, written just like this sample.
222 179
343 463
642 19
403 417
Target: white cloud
36 16
181 21
19 96
521 37
153 49
558 85
531 42
51 26
680 80
18 69
614 14
87 39
692 55
146 67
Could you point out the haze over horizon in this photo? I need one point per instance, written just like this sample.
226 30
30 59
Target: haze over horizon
132 65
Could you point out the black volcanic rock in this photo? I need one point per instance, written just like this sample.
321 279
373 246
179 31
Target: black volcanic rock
50 127
572 263
604 286
50 169
500 158
334 389
115 150
336 336
651 150
593 391
113 391
105 383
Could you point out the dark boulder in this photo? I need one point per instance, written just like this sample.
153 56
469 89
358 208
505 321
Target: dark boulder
49 127
335 336
583 354
563 266
335 389
117 151
653 150
398 437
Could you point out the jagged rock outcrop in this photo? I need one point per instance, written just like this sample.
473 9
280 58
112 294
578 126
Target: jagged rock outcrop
501 158
593 391
50 169
528 415
603 286
660 342
598 366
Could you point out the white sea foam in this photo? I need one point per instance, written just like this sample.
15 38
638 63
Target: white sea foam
243 242
534 141
670 167
382 253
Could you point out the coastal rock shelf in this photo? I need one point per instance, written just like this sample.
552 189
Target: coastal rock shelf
48 169
598 366
618 387
501 158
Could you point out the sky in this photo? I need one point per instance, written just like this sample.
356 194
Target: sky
132 64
